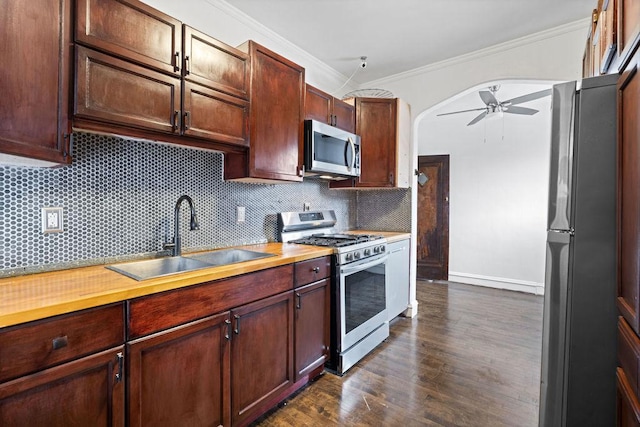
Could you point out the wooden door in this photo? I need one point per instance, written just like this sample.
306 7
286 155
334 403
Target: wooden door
213 115
276 118
376 125
34 106
110 90
84 392
317 105
181 376
211 63
311 327
629 195
344 115
261 355
433 219
130 29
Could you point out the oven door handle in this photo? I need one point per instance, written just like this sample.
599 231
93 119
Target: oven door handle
353 268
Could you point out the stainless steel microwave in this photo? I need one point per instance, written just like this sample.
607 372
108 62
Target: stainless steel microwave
330 152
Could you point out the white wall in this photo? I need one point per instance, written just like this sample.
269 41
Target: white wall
498 192
224 22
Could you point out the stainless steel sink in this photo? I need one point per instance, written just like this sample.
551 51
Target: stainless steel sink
147 269
228 256
152 268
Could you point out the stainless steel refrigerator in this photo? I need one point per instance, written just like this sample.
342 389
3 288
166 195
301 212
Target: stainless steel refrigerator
577 384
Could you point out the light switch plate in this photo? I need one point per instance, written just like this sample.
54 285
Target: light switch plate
52 220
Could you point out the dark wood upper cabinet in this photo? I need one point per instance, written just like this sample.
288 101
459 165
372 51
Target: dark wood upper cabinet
34 106
629 194
130 29
321 106
111 90
628 21
276 120
213 64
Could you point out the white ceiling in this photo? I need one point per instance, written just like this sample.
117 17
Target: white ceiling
402 35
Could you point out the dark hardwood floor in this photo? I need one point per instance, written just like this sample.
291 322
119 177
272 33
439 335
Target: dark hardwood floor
471 357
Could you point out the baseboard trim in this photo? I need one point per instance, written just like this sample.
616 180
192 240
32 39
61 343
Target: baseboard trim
498 282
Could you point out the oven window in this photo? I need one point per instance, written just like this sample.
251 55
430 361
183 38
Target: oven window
364 296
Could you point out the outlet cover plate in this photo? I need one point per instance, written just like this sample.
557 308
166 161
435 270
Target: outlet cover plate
52 220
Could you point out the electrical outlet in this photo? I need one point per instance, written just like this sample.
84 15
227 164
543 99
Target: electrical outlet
306 206
52 220
240 214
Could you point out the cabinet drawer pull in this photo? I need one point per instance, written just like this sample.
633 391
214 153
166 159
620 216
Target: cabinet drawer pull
299 301
237 329
227 334
60 342
316 269
120 357
176 67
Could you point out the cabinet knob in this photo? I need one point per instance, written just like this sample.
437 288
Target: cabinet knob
316 269
60 342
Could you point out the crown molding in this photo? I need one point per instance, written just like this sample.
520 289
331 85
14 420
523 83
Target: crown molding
582 24
276 38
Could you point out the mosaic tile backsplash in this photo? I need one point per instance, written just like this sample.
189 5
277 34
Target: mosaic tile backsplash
119 196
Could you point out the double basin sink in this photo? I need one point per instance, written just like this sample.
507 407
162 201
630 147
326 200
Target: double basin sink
152 268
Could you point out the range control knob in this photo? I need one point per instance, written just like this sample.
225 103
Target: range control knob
356 255
349 257
382 248
367 252
376 249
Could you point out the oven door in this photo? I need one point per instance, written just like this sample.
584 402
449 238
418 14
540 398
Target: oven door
363 307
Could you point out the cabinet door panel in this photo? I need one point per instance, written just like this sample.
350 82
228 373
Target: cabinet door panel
79 393
181 376
344 115
261 355
376 125
130 29
628 408
628 27
277 113
317 105
35 79
629 196
311 327
214 64
114 91
213 115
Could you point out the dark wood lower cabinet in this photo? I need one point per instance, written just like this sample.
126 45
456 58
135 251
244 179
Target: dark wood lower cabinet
181 376
628 408
85 392
311 327
261 356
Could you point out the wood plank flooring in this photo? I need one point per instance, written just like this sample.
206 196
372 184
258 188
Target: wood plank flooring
471 357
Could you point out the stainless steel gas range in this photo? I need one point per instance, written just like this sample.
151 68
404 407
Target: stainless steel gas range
358 296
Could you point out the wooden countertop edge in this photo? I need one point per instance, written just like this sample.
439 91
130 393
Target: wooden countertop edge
122 288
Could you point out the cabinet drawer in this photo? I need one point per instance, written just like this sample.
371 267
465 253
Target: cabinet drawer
629 353
628 408
37 345
131 29
312 270
162 311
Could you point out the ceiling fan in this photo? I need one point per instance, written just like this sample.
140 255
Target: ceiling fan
492 105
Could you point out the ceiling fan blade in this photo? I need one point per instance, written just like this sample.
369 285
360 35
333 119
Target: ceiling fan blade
529 97
488 97
520 110
461 111
477 119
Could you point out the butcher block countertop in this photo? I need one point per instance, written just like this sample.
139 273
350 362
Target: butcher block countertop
37 296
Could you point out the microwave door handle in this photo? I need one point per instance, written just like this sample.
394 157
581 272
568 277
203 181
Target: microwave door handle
353 153
350 269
